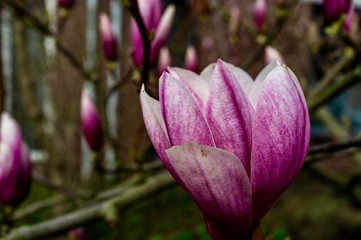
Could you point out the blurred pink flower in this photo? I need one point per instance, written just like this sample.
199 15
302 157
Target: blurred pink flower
66 3
15 165
109 40
232 143
191 59
91 123
156 23
272 54
333 9
164 61
259 13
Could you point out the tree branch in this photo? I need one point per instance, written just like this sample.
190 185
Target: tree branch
151 186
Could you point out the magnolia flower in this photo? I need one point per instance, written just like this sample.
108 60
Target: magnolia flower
191 59
15 165
109 39
259 13
155 23
333 9
165 60
272 54
78 234
232 143
67 4
349 19
91 123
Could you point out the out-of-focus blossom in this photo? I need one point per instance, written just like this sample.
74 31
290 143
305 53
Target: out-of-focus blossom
67 4
109 40
15 165
155 23
259 13
191 59
78 234
349 18
164 61
333 9
91 123
232 143
234 19
272 54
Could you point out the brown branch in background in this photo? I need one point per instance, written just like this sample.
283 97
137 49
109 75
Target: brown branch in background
271 35
150 186
22 12
335 146
133 8
348 80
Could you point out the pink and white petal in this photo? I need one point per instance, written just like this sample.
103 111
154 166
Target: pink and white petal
155 126
258 83
217 182
229 114
243 78
196 85
183 118
207 73
281 136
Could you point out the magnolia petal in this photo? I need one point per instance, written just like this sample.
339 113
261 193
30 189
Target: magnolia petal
258 83
197 86
217 182
162 31
183 118
281 135
207 73
243 78
156 129
229 114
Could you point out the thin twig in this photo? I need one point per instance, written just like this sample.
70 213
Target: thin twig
335 146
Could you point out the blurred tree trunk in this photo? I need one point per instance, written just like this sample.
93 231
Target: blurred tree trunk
66 91
132 135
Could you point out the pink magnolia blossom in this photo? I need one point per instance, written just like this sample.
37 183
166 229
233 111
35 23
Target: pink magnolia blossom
272 54
15 165
333 9
191 59
91 123
155 22
78 233
232 143
109 40
259 13
66 3
164 61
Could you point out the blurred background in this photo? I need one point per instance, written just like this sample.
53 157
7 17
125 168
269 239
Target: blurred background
54 51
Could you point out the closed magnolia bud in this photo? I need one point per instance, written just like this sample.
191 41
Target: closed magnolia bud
78 234
191 60
15 165
109 40
164 61
259 13
67 4
91 123
272 54
333 9
156 23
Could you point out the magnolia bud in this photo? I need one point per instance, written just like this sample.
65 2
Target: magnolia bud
191 60
109 39
164 61
259 13
91 123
